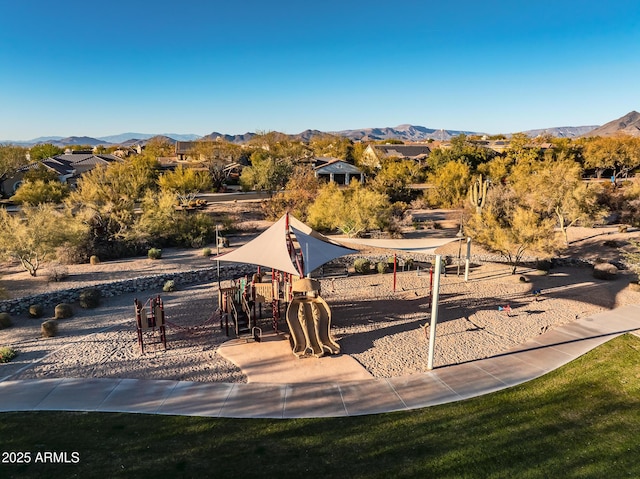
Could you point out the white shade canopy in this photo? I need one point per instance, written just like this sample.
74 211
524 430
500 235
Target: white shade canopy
273 248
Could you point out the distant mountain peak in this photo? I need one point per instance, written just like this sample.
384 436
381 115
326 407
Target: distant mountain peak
628 124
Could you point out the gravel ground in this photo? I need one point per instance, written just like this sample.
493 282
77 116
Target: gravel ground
385 331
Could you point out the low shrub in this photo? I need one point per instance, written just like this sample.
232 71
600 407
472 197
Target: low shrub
206 252
57 272
382 267
94 260
63 311
5 320
154 253
49 328
362 266
90 298
7 354
36 311
544 265
169 286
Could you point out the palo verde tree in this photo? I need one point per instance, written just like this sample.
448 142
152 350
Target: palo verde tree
450 184
554 189
298 195
11 158
44 150
620 154
266 173
352 210
511 229
394 178
184 180
33 235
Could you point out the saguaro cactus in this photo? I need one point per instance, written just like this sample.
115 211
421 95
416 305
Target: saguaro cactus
478 193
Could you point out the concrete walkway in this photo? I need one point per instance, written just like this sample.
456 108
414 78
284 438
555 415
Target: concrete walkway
351 398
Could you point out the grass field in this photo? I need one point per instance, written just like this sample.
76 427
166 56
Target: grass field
581 421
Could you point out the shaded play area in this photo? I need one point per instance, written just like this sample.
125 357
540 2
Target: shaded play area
292 251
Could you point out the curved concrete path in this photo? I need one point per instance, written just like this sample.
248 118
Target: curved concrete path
266 400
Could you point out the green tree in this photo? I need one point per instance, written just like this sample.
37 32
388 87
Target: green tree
521 148
555 190
331 145
41 172
185 180
266 173
106 196
11 158
461 150
450 184
619 153
161 224
33 235
353 210
39 191
158 147
394 179
44 150
511 229
299 193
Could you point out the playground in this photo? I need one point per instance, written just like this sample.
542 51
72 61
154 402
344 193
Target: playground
378 322
380 333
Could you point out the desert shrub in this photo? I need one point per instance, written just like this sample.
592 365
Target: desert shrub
206 252
154 253
49 328
544 265
63 311
36 311
194 230
362 265
72 253
89 298
7 354
169 286
408 263
94 260
5 320
382 267
57 272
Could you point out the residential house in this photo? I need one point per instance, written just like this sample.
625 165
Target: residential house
69 167
337 171
373 155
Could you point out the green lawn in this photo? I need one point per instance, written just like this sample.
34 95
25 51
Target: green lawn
580 421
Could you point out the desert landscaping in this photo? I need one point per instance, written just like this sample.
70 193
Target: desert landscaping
382 331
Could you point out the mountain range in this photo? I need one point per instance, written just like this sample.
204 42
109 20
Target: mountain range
628 124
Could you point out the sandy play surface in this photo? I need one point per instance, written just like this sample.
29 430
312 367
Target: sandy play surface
381 332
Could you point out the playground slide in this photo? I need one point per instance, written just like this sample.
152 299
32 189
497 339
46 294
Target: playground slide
309 321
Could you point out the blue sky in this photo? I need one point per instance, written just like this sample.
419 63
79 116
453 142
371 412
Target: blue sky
74 67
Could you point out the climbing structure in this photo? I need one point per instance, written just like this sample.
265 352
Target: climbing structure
309 320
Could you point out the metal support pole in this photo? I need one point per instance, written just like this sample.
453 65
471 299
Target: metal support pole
434 312
467 260
395 262
218 255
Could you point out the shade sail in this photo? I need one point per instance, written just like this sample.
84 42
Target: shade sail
271 248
